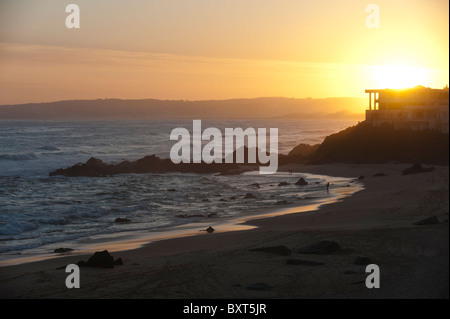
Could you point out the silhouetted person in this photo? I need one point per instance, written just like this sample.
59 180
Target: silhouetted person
328 187
290 172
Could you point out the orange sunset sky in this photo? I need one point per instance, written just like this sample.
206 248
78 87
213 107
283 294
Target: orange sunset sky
218 49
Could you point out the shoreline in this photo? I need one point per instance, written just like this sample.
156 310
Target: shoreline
377 222
131 240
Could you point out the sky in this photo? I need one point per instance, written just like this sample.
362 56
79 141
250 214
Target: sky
219 49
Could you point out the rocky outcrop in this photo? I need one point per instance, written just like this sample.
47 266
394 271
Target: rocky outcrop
150 164
366 144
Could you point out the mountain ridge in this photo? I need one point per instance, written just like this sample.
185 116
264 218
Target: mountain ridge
243 108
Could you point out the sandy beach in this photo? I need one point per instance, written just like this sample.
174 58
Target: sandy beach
377 222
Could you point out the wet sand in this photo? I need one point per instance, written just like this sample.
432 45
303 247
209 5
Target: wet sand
377 222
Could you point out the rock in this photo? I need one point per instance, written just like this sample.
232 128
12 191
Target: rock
172 190
101 259
62 250
361 177
261 286
118 262
256 185
249 195
321 247
148 164
303 262
209 229
278 250
433 220
379 175
416 168
363 261
283 184
122 220
301 182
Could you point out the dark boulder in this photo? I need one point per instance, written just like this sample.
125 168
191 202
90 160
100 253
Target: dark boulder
417 168
210 230
62 250
283 184
301 182
118 262
321 247
101 259
433 220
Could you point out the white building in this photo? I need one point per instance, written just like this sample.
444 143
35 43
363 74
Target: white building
418 108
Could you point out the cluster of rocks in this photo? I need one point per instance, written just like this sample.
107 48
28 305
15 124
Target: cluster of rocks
149 164
317 248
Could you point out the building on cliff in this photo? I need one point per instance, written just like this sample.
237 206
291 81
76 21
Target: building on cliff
417 108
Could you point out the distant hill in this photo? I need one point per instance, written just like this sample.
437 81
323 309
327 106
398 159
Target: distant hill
271 107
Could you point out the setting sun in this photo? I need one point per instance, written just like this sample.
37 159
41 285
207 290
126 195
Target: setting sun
399 76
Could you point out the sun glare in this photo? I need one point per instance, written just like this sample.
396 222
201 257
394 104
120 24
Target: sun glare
399 76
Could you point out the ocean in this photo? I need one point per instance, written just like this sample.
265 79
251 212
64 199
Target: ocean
39 213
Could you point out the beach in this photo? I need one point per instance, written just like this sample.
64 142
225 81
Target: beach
376 223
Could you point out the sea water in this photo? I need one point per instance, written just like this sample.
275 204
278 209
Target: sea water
39 213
